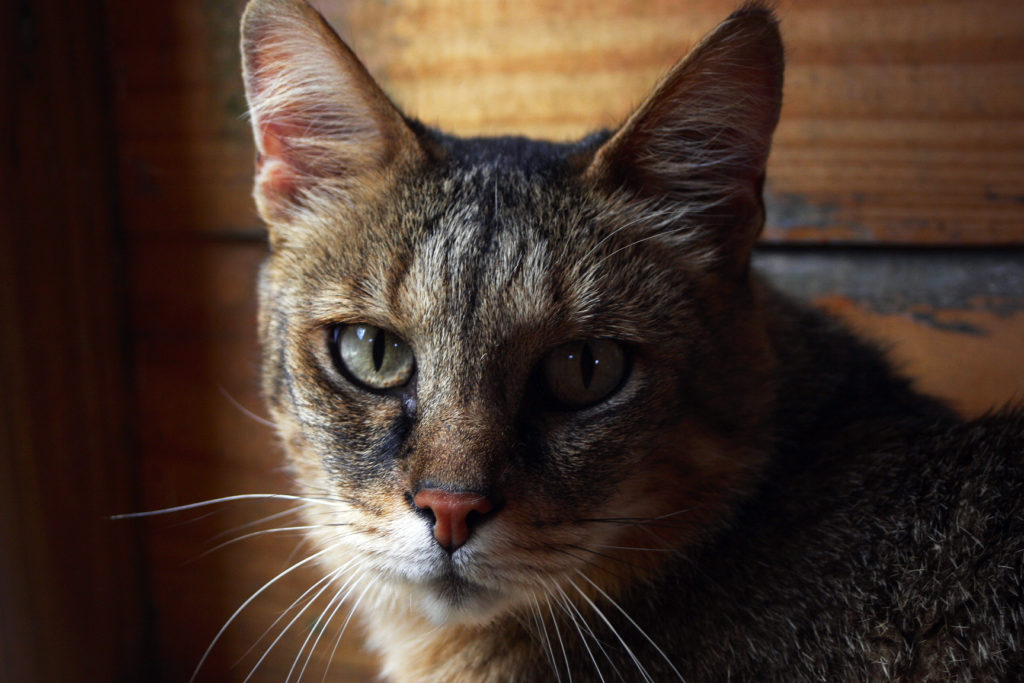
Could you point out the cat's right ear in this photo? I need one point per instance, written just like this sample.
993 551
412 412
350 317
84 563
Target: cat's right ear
691 159
324 129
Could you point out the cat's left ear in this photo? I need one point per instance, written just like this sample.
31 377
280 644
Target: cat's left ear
692 157
321 123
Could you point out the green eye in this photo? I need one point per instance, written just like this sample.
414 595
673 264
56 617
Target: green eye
373 356
582 373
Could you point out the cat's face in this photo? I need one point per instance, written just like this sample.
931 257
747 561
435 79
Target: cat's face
508 368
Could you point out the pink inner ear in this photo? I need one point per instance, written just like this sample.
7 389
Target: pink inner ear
276 176
277 179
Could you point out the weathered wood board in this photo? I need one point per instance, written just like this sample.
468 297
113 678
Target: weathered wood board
952 320
903 122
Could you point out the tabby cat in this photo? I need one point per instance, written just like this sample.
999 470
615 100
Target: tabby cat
557 429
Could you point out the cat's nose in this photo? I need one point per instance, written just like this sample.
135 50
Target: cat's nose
455 514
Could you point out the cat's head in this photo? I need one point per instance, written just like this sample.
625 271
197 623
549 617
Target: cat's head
511 366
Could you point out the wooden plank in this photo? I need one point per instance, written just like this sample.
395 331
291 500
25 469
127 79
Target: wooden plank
71 603
902 121
952 320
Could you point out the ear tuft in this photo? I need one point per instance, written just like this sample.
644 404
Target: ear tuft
699 143
320 122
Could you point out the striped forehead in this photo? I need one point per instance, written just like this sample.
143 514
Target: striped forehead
476 273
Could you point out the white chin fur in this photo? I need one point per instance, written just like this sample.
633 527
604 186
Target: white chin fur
466 605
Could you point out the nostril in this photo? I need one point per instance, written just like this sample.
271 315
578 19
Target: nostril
473 517
454 514
425 512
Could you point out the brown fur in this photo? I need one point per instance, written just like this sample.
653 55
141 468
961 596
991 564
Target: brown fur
719 514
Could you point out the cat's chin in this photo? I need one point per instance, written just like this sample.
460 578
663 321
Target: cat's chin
450 600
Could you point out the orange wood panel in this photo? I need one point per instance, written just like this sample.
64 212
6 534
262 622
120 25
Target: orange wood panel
903 122
952 320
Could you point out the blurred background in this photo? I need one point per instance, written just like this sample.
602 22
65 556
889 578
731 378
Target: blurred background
130 243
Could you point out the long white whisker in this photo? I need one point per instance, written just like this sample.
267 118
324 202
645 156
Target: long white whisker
225 499
303 540
263 532
245 411
586 625
262 520
542 628
326 581
565 604
344 626
635 625
249 600
336 601
285 612
600 614
558 634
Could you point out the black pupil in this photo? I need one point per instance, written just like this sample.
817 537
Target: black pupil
378 350
587 365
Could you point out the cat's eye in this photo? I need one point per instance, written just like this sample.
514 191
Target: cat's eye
581 373
373 356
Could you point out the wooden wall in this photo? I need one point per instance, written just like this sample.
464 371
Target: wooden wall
71 598
896 200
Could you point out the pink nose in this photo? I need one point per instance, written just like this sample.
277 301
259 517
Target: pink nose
452 514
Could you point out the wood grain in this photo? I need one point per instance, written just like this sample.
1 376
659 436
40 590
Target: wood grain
952 320
903 123
71 588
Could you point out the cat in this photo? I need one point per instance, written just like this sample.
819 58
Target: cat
554 425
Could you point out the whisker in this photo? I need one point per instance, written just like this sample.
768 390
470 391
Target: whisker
629 547
326 581
263 520
673 514
249 600
583 640
642 632
542 628
615 632
245 411
263 532
577 619
344 626
595 565
282 615
558 634
317 627
337 600
225 499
